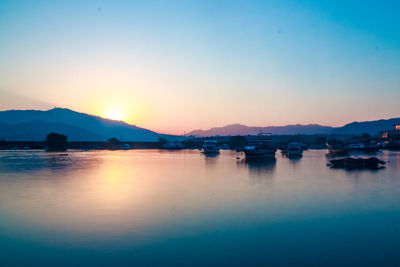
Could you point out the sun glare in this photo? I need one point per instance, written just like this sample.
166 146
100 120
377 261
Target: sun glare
114 114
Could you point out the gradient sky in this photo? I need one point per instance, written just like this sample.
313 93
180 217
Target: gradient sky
175 66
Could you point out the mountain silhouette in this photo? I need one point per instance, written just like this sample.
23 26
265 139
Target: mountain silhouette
354 128
239 129
370 127
37 131
35 124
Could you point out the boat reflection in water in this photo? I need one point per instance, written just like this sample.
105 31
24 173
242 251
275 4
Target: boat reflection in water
358 163
294 158
265 165
260 165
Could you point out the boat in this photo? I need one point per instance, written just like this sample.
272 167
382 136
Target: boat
294 149
343 147
172 145
210 146
357 163
225 146
262 147
126 146
366 146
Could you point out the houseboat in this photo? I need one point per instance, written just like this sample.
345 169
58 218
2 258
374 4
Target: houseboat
173 145
210 146
294 149
261 147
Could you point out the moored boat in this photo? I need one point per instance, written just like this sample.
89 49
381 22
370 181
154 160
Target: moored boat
262 147
210 146
172 145
225 146
366 146
357 163
294 149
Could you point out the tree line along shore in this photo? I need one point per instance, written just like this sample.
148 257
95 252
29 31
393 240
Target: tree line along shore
59 142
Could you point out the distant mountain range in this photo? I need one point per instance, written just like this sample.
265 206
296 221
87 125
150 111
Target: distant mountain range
34 125
239 129
370 127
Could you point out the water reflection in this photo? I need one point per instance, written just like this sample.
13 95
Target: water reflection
294 158
210 160
259 166
28 161
154 205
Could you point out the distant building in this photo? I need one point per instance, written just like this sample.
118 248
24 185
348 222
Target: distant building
392 137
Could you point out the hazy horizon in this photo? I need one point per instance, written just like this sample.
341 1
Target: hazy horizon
205 129
174 67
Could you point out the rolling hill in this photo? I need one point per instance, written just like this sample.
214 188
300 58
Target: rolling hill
239 129
33 125
355 128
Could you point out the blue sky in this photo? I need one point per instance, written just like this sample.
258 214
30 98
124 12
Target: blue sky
173 66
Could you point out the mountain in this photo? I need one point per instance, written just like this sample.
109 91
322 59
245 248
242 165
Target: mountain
370 127
35 124
239 129
356 128
37 131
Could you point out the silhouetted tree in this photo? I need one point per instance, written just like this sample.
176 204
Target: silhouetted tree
320 140
56 142
394 138
365 136
114 141
237 141
162 141
335 143
113 144
189 143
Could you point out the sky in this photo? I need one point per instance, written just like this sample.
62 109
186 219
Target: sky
175 66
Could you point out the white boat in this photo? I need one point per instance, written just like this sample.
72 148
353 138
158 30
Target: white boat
173 145
210 146
262 147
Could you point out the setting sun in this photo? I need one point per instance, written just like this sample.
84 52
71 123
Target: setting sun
114 114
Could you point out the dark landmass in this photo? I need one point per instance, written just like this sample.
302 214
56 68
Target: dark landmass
56 142
37 131
354 128
370 127
239 129
34 125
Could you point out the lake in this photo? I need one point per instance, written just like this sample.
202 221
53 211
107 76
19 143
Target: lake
154 207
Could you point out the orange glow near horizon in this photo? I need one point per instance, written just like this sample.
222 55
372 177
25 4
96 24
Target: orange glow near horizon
130 107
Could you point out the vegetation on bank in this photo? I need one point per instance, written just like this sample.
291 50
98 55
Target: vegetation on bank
56 142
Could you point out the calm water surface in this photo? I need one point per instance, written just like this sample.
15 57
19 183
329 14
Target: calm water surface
149 207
